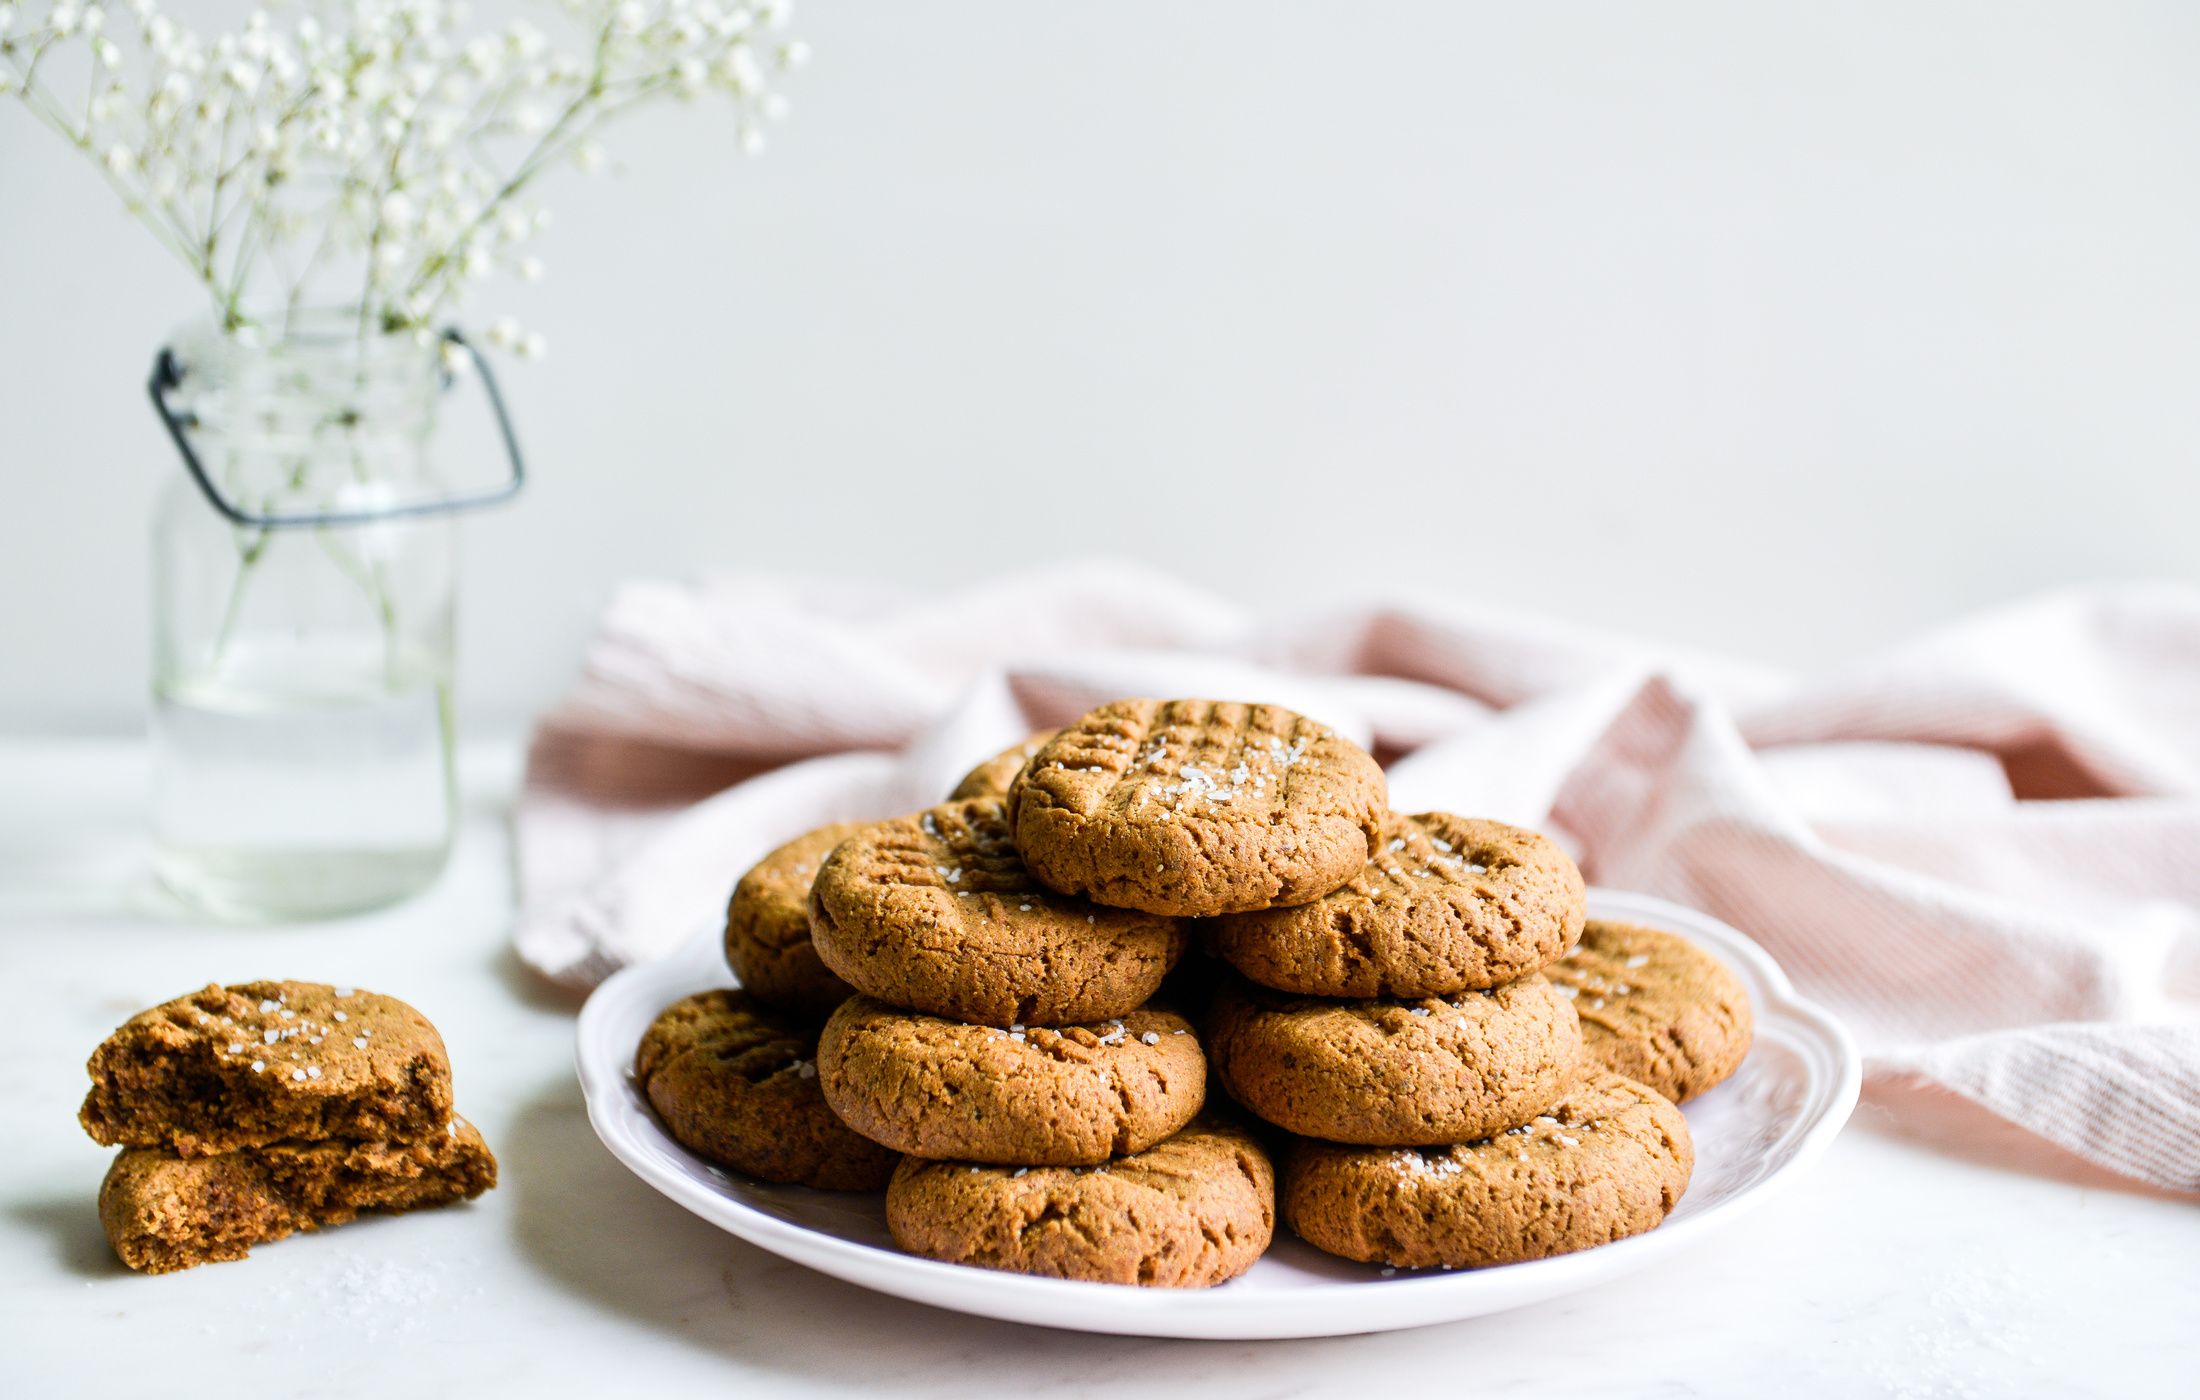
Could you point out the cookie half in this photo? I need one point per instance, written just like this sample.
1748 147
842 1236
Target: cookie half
1608 1160
264 1062
1445 905
737 1083
1395 1073
1032 1096
935 912
1196 807
1655 1007
163 1213
993 777
1189 1212
768 927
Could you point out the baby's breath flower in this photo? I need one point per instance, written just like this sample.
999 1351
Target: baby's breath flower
391 143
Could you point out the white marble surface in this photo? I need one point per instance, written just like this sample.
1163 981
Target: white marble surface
1930 1254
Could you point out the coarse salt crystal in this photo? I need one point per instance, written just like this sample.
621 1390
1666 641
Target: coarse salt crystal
342 1016
359 1042
1637 960
298 1074
1150 1038
267 1006
313 1071
236 1049
270 1036
258 1065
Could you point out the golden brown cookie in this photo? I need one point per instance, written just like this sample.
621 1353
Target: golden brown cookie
768 927
737 1083
1655 1007
992 777
1395 1073
163 1212
1446 904
265 1062
1608 1160
935 912
1189 1212
1026 1096
1195 807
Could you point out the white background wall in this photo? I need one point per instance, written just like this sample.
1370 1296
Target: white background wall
1778 328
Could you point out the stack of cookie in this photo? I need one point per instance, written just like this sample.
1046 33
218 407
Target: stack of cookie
1003 1042
1406 1010
250 1112
968 990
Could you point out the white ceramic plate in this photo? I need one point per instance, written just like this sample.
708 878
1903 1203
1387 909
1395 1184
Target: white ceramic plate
1754 1135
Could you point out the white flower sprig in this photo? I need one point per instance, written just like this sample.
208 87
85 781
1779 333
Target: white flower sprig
375 140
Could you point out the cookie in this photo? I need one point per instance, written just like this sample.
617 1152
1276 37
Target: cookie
1022 1097
163 1212
1189 1212
265 1062
1395 1073
737 1083
1446 905
1608 1160
768 927
1655 1007
935 912
1194 807
992 777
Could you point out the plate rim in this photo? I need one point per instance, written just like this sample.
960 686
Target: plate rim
1416 1298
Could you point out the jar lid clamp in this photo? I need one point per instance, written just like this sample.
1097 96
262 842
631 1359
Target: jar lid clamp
167 374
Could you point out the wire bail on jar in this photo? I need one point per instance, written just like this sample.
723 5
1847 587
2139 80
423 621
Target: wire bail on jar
168 374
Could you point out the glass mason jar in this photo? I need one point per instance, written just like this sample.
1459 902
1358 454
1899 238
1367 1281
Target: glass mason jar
304 598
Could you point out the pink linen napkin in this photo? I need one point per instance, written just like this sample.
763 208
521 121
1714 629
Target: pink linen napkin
1981 849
